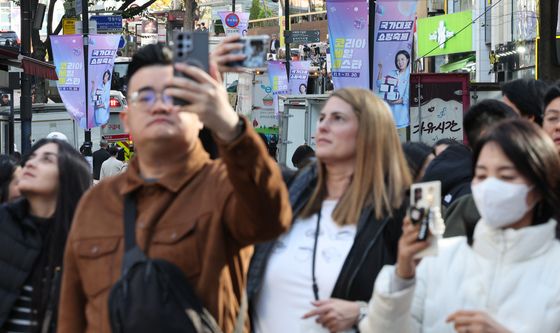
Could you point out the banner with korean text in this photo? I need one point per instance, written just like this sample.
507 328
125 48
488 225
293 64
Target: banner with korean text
348 38
299 74
68 56
235 23
394 25
102 53
278 80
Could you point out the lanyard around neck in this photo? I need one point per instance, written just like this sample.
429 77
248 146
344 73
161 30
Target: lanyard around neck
313 278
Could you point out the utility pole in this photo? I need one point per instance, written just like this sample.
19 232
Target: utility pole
233 6
548 56
286 32
26 113
371 38
85 32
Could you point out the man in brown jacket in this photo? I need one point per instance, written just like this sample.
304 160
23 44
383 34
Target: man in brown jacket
198 214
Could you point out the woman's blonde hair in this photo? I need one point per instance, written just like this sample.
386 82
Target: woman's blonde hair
381 176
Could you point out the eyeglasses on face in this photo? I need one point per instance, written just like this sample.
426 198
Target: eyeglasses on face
146 98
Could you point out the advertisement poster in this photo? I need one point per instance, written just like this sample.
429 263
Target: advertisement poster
235 23
278 80
102 52
394 24
445 34
348 38
69 61
299 73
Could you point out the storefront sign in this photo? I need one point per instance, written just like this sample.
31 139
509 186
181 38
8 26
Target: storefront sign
444 34
299 74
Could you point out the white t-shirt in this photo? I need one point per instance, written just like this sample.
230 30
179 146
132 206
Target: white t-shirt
287 292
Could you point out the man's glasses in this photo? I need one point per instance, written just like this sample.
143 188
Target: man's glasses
147 98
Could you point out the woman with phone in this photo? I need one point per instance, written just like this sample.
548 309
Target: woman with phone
505 275
33 231
347 211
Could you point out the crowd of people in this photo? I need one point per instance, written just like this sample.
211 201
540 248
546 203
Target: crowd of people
330 247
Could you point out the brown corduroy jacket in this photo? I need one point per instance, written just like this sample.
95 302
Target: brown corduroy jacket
203 216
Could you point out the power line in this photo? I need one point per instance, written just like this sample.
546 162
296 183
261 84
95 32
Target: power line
458 32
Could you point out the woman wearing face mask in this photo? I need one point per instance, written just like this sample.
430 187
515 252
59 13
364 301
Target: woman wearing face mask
33 232
347 222
506 277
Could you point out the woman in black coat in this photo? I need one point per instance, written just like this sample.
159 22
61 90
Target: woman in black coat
348 210
33 233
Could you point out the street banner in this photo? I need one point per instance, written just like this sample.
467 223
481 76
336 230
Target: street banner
299 73
69 61
348 38
102 53
394 25
278 80
235 23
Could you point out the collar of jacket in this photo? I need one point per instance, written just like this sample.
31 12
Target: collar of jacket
180 172
19 210
513 245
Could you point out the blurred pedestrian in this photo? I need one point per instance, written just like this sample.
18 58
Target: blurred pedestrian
505 277
478 119
303 155
112 166
442 144
198 214
100 156
551 122
347 220
418 156
33 233
526 98
10 172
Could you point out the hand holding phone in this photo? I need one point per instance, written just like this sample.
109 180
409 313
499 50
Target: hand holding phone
190 48
427 198
253 49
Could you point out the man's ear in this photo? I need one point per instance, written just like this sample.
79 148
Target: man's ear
123 116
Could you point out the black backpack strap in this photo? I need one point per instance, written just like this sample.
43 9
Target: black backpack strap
132 253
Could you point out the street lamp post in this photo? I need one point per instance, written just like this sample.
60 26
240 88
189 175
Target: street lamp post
25 99
85 31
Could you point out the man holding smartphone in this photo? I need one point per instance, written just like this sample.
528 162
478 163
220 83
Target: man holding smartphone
200 215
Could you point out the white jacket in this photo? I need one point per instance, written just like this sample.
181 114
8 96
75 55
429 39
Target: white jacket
513 275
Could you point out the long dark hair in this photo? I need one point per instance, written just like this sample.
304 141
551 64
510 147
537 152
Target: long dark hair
7 168
73 180
534 155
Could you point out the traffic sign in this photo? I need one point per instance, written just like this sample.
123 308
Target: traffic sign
232 20
303 36
69 26
108 23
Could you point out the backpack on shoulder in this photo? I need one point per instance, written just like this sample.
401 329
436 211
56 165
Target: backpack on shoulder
154 295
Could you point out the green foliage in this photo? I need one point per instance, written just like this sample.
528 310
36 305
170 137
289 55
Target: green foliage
257 11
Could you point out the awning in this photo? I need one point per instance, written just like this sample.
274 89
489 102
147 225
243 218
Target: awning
11 57
456 65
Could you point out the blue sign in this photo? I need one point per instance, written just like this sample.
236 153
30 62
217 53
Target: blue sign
108 23
122 42
232 20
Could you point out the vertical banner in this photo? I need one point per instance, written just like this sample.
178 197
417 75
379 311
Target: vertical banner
394 23
102 52
348 38
278 80
235 23
299 74
68 54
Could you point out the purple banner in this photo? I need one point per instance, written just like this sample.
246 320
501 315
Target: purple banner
394 25
348 38
102 52
69 61
299 73
278 80
235 23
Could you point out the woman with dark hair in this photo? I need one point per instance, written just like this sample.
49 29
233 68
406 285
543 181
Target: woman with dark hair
33 233
505 275
348 210
9 176
394 87
418 156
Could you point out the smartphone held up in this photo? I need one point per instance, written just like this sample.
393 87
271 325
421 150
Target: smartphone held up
254 49
190 48
425 211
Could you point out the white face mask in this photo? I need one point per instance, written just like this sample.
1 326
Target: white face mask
500 203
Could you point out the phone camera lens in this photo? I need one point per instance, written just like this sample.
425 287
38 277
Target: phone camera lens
180 55
180 37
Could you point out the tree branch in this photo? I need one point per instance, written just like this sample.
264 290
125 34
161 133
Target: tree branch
134 11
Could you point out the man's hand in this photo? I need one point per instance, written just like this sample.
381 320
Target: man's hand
222 54
335 314
475 322
206 96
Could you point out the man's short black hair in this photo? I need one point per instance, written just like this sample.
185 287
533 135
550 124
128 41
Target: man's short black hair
527 95
149 55
484 114
552 94
113 150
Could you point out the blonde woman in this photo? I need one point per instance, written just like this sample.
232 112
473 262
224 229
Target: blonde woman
347 219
